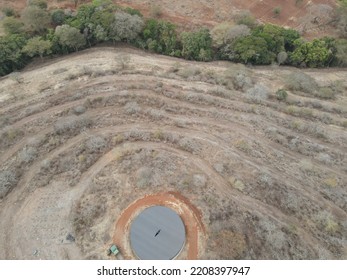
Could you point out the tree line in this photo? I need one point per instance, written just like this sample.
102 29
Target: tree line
39 32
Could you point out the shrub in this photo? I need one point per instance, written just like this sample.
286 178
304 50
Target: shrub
78 110
300 81
258 93
144 177
189 72
9 12
277 11
281 94
27 155
282 57
247 19
8 179
325 93
132 108
96 143
71 125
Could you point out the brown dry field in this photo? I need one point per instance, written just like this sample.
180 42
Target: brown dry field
86 135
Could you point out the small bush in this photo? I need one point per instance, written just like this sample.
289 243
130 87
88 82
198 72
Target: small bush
189 145
9 12
277 11
96 143
132 108
27 155
299 81
144 177
189 72
325 93
298 111
238 77
281 95
8 179
246 18
258 93
71 125
78 110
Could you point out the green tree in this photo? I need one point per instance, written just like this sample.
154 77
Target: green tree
83 17
252 49
272 34
289 36
70 37
125 27
160 36
311 54
36 19
11 56
13 25
37 46
197 45
56 48
57 17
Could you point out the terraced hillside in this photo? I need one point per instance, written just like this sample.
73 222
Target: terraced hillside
86 136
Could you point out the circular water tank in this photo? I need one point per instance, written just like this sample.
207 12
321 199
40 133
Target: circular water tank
157 233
